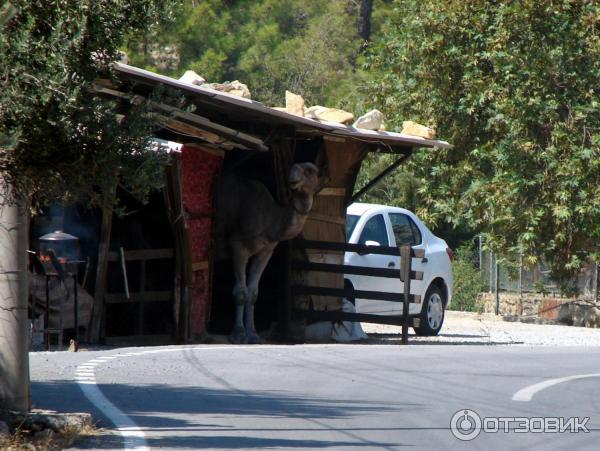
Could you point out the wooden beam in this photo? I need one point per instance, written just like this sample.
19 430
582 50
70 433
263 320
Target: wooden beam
378 178
146 296
356 270
190 118
207 124
308 290
338 192
321 217
143 254
190 130
338 315
360 248
96 332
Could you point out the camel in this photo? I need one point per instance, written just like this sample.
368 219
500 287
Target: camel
250 224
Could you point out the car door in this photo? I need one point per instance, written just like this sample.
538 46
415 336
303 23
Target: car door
376 229
405 231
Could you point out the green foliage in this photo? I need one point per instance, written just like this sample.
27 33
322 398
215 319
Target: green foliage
398 189
309 47
60 140
514 87
467 281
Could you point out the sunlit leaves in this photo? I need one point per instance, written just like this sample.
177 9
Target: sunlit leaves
64 140
515 88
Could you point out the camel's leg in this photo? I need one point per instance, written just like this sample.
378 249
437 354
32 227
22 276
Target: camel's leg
255 271
240 291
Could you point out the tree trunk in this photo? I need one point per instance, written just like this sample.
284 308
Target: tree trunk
14 359
364 19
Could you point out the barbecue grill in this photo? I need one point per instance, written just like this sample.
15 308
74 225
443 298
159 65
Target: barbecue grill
59 256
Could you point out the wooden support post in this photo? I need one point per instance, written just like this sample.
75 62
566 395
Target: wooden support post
285 311
405 268
75 311
497 287
95 333
520 275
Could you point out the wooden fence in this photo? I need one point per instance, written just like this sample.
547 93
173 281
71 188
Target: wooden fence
405 274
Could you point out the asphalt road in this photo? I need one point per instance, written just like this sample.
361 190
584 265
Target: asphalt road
327 396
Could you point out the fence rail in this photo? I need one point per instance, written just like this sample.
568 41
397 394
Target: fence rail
405 274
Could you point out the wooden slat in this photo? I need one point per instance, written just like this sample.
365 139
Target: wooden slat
314 216
190 130
338 315
143 254
356 270
191 118
200 266
346 247
96 330
146 296
360 248
359 294
332 192
346 269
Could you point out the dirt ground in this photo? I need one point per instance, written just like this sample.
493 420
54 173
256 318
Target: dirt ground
465 328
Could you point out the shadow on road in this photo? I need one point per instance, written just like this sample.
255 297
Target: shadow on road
169 416
441 339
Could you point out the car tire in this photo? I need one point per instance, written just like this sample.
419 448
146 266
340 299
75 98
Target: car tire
349 288
432 313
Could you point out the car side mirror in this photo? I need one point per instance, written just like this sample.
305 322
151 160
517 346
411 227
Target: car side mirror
369 243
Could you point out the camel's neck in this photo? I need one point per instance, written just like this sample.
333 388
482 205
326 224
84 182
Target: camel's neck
293 217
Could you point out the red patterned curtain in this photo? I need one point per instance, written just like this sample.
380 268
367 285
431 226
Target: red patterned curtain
201 167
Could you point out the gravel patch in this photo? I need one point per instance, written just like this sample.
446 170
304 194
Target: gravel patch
465 328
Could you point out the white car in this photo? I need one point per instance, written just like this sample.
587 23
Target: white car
380 225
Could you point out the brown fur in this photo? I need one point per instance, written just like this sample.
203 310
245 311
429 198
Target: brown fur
249 225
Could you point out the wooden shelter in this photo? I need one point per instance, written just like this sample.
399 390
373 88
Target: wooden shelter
219 132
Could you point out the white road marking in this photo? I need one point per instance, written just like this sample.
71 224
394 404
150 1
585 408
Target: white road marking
133 436
525 394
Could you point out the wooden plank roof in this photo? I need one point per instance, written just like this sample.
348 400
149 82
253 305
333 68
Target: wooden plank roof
245 111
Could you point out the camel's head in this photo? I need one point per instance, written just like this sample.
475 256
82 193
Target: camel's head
304 177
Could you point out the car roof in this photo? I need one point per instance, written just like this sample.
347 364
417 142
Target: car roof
359 208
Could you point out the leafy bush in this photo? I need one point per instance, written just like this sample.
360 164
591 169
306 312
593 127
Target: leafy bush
514 88
467 281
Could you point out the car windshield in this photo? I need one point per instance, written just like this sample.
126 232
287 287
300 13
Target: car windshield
351 221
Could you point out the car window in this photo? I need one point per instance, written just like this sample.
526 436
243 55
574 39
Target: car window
405 230
416 232
374 230
351 221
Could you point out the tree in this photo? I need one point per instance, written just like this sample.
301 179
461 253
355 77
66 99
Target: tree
307 46
514 87
58 140
67 140
364 19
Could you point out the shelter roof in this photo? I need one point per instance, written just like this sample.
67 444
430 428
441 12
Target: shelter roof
252 115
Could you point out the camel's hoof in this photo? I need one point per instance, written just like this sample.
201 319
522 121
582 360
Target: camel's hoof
254 339
238 335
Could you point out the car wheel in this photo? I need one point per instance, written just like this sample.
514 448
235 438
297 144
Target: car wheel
432 313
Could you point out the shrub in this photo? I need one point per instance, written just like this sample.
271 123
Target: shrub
467 281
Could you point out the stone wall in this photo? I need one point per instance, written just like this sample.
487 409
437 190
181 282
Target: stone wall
535 307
